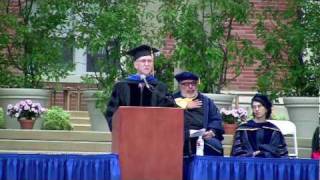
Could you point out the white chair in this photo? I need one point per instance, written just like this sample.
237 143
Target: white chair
288 128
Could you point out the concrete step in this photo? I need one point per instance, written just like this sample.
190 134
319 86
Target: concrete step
81 127
50 152
55 135
80 120
42 145
55 141
79 113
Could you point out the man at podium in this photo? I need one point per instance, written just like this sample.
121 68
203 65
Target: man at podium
200 113
140 89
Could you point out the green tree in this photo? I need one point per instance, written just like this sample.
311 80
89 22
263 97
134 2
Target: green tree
205 42
291 66
32 38
108 29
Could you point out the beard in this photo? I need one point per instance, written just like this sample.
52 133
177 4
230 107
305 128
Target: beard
192 94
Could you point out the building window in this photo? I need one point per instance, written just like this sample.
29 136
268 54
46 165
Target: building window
104 58
94 58
67 52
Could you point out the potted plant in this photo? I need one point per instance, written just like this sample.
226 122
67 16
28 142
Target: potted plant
56 119
26 112
232 118
291 67
32 40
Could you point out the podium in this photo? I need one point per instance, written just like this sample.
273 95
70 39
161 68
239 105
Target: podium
149 141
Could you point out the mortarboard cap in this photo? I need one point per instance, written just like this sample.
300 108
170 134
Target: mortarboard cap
143 50
186 76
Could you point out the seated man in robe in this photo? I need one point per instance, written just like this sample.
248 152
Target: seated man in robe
200 112
258 137
140 89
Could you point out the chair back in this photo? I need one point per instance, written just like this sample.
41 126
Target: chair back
288 128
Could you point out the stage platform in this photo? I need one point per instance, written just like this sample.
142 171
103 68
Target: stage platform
106 167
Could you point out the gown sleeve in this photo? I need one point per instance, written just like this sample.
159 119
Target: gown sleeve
113 105
215 120
276 148
241 145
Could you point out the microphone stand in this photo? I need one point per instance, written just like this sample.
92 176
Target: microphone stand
152 89
141 86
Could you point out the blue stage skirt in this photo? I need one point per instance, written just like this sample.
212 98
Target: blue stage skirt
59 167
236 168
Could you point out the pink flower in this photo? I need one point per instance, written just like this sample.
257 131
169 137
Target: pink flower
22 103
226 112
26 109
28 101
43 109
233 115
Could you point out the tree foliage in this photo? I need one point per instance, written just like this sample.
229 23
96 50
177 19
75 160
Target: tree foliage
108 29
206 44
31 41
291 66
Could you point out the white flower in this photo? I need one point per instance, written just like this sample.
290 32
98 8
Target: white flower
9 106
17 115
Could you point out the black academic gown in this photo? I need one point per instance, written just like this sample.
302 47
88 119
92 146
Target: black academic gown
210 119
265 137
130 93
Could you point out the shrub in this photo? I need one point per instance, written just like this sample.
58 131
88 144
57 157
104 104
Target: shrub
2 120
56 119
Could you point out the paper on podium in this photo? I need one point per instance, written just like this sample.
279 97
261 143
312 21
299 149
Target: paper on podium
197 133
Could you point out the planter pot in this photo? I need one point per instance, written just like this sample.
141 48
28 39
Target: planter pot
221 100
14 95
304 113
26 123
98 121
230 128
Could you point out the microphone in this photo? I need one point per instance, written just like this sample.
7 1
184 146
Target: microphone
144 78
155 91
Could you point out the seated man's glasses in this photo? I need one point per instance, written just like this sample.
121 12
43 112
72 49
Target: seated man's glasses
193 83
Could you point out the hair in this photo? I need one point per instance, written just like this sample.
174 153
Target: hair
265 102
